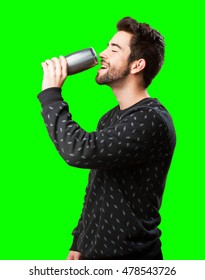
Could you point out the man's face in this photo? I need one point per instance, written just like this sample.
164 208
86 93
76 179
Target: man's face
115 59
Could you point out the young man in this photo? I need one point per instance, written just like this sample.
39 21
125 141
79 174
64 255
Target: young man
129 154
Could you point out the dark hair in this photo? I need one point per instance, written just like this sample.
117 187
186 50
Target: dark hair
146 43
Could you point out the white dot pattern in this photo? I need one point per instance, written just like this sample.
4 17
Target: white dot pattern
129 156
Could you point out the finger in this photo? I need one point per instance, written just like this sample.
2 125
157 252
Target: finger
45 67
50 64
64 65
57 65
77 257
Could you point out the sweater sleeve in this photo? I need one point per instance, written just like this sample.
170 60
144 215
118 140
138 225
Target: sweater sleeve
128 142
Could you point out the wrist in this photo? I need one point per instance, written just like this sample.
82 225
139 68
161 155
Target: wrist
49 87
50 95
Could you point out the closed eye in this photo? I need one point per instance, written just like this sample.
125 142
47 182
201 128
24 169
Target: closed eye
114 51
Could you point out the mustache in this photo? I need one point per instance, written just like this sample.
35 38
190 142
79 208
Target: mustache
105 63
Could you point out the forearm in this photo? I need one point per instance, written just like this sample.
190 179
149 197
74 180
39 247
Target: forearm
61 128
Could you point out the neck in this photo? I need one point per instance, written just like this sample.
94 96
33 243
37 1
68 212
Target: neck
128 92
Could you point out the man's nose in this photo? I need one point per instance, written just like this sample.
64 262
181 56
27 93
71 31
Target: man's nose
103 54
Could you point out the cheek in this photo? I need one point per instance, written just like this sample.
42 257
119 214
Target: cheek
118 61
122 64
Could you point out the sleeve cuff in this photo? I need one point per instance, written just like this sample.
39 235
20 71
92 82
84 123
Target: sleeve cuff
50 95
74 245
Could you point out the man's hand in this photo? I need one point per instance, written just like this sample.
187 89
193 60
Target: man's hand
74 255
55 72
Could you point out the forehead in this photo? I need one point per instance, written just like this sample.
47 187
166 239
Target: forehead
122 38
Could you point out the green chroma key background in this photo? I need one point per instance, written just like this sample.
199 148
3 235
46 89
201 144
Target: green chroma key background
41 196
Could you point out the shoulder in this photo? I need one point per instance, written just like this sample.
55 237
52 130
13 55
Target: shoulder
148 108
149 115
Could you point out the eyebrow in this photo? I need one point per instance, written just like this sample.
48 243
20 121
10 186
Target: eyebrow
115 45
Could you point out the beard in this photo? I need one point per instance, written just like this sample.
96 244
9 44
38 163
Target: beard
112 75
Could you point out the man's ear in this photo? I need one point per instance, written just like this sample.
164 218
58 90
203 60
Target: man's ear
137 66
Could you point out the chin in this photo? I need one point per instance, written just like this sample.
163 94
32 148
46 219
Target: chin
99 81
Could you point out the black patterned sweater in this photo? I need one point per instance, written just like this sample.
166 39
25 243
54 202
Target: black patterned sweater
129 155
